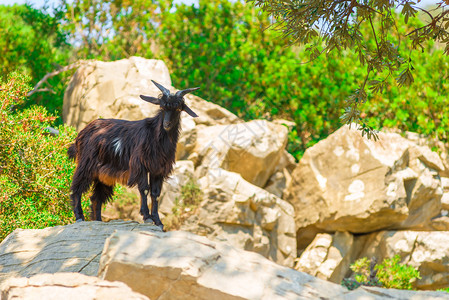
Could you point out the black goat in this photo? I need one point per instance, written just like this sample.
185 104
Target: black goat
110 151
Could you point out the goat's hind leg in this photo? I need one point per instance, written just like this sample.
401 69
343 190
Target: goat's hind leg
101 194
79 186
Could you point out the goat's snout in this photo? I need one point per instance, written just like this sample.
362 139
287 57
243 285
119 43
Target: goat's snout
167 123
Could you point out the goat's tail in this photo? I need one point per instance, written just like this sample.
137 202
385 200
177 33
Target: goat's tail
72 151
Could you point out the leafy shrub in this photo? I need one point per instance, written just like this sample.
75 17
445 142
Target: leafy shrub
389 274
35 172
33 43
393 274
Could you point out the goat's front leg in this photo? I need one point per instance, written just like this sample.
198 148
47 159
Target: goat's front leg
144 211
156 187
139 176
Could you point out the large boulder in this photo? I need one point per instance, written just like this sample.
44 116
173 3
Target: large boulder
245 216
180 265
427 251
252 149
349 183
232 210
112 89
67 286
328 256
445 197
71 248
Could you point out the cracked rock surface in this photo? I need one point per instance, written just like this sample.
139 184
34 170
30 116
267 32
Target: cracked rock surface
182 265
67 286
71 248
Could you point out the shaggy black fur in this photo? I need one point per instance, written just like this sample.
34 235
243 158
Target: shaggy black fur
110 151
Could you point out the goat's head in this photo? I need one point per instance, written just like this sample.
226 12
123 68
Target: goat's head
171 104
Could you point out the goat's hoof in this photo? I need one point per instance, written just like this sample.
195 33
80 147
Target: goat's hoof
79 220
161 227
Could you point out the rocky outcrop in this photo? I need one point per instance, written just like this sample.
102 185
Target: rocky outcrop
112 89
426 251
252 149
349 183
180 265
328 256
344 185
137 264
245 216
72 248
67 286
216 140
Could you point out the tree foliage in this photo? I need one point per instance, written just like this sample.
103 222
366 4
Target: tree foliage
327 25
112 29
32 42
225 48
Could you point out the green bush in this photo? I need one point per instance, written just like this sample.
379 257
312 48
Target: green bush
35 172
389 274
33 43
224 47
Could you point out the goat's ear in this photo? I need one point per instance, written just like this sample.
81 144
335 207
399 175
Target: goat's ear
189 111
150 99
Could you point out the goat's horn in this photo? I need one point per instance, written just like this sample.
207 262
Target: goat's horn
164 90
185 92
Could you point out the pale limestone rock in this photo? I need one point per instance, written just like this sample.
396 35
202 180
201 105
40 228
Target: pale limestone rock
376 293
445 197
252 149
440 223
180 265
183 171
281 177
245 216
422 140
349 183
112 89
328 256
67 286
171 190
126 208
427 251
71 248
